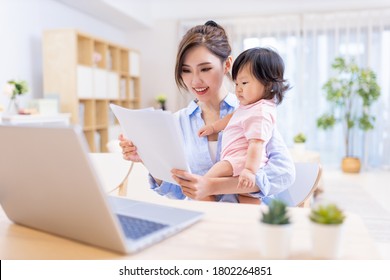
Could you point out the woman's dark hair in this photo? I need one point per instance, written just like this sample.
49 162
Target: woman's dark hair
210 35
267 67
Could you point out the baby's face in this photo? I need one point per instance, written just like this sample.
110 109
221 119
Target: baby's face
248 89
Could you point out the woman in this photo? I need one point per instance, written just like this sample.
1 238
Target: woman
203 60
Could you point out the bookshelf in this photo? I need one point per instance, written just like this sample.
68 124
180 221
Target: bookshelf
87 74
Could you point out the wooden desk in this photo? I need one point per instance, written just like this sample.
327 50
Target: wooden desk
63 119
227 231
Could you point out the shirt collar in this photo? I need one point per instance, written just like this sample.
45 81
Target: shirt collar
192 107
230 100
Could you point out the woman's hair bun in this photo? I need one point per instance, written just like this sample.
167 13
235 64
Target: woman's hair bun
211 23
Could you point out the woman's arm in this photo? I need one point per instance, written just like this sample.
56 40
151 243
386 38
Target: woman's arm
199 187
279 172
277 175
166 189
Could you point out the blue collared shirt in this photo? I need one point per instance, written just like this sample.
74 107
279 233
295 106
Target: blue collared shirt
277 175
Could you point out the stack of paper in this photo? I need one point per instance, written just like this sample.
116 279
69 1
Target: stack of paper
157 137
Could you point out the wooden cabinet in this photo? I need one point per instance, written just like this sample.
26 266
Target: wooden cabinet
87 74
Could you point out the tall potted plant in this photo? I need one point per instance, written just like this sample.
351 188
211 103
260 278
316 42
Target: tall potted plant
350 93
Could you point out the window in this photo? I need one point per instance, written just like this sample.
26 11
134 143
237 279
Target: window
308 43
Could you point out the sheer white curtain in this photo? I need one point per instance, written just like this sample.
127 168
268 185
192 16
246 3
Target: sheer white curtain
308 44
364 36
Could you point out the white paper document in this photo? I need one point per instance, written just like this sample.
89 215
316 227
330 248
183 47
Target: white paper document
157 137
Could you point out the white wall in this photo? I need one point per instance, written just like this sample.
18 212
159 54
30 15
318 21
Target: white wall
158 47
22 23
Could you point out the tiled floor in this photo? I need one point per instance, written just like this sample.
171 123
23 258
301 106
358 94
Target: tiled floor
366 194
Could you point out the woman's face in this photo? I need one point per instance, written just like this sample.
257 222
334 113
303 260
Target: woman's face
203 73
248 89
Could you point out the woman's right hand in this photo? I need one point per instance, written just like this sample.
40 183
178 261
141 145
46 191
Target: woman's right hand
193 186
129 150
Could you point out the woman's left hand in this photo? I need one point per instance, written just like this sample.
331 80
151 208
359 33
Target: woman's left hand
193 186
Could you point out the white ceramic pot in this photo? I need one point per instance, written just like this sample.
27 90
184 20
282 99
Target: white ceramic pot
299 147
326 241
275 243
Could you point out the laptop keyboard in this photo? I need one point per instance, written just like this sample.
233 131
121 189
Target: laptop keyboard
136 228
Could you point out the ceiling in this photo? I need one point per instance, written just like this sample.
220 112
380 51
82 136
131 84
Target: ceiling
133 14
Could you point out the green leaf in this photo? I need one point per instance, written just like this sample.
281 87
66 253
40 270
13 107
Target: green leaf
21 87
326 121
300 138
327 214
366 122
277 214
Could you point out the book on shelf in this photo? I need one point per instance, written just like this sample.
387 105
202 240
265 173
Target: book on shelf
131 89
82 114
122 92
134 64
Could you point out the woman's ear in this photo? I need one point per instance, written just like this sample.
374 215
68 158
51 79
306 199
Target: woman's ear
228 64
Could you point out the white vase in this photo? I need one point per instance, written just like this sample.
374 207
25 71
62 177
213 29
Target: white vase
13 107
276 240
326 241
299 147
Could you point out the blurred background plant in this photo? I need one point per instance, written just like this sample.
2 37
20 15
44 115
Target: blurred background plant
300 138
161 99
350 93
14 88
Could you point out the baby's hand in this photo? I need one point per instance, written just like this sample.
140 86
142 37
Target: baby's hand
206 130
246 180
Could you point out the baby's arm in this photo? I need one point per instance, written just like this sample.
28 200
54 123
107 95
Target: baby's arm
215 127
248 175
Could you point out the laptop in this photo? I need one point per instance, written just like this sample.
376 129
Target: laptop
48 182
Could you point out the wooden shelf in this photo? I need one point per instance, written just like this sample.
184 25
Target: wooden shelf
88 74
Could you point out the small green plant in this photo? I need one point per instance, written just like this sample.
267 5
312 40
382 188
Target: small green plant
161 98
14 88
328 214
276 214
300 138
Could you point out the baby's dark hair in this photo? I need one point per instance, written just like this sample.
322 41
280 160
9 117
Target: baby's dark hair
267 67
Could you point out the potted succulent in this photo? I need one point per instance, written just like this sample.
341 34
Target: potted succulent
350 93
327 221
161 99
299 142
276 230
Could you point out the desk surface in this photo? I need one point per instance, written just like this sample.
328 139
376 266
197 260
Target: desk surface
63 118
227 231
